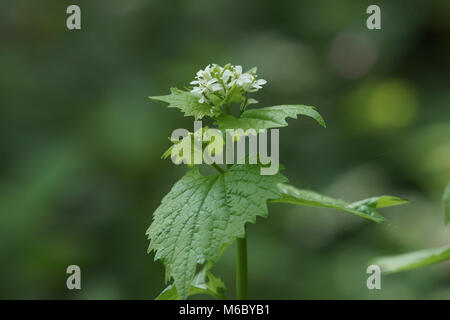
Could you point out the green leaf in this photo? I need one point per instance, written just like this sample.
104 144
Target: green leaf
197 143
201 214
446 200
204 282
186 102
251 101
412 260
364 208
269 117
252 70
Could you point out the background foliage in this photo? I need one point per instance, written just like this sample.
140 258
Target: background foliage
80 142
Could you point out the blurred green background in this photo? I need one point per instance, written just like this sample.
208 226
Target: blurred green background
81 143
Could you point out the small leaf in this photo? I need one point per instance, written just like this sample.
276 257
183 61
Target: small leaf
203 283
269 117
446 200
412 260
251 101
364 208
199 144
252 70
186 102
201 214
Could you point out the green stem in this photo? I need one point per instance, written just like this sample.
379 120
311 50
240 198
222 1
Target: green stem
243 106
241 268
217 168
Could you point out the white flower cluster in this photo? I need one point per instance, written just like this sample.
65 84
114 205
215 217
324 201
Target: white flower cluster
217 81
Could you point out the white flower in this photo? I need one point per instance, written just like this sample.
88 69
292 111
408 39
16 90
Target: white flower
227 75
258 83
197 91
245 81
217 87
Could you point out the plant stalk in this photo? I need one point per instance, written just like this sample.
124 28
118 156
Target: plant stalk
241 268
218 168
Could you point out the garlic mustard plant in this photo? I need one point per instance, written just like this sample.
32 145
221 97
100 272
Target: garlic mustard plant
203 214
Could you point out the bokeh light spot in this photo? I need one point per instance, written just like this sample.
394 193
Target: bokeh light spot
392 104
